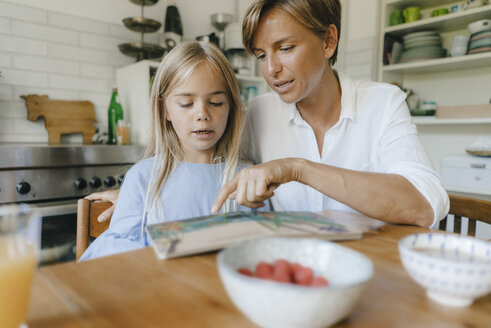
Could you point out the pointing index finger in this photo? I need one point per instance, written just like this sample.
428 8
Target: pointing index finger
224 193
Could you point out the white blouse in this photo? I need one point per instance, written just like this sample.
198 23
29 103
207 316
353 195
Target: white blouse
374 134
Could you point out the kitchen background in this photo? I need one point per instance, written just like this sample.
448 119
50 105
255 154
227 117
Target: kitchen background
69 50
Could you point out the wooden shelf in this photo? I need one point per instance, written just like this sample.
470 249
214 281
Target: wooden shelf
432 120
442 64
420 3
449 22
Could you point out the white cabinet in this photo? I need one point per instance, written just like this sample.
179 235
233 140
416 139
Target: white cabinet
448 81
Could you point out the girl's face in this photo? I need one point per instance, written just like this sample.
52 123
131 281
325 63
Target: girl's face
291 57
198 109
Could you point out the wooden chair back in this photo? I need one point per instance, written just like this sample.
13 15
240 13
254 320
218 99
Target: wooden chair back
87 224
472 208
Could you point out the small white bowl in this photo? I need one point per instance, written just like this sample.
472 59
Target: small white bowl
454 269
479 26
272 304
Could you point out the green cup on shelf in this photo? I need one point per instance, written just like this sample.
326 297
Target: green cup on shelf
396 17
439 12
411 14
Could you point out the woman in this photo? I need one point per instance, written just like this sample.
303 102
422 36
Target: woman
324 140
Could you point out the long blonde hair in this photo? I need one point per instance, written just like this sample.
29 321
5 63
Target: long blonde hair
164 145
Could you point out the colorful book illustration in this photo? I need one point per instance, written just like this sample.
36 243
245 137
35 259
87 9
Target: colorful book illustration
208 233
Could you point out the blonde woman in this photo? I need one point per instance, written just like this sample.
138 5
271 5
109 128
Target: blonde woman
194 150
326 141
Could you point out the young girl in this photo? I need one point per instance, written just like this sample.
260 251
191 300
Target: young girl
194 150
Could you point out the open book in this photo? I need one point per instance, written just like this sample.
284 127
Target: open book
208 233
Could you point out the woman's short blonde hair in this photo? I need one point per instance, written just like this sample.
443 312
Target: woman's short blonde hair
317 15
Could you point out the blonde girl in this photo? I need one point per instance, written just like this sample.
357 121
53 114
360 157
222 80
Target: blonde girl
197 120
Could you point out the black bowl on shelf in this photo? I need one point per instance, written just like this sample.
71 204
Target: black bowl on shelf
422 112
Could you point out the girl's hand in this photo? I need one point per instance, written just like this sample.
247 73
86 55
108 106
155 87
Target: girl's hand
108 196
253 185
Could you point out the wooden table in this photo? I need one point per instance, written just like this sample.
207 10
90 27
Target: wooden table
136 290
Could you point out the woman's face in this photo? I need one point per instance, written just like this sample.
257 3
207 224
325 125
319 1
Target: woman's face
198 109
292 58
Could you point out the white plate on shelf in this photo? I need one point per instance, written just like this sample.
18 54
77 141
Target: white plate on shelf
419 35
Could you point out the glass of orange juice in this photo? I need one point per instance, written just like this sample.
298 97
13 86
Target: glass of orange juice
19 249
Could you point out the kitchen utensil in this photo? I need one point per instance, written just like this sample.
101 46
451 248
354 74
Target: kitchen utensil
233 36
439 12
141 24
172 29
480 147
145 2
454 269
251 93
173 20
396 17
220 22
238 59
475 3
411 14
428 108
479 26
212 37
459 45
62 116
141 50
274 304
455 8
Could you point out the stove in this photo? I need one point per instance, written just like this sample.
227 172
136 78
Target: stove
45 173
51 179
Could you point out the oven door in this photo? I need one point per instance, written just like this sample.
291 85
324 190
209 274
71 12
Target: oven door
58 230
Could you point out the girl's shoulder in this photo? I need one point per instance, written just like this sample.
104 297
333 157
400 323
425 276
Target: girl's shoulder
140 169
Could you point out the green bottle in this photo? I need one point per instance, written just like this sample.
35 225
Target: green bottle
114 114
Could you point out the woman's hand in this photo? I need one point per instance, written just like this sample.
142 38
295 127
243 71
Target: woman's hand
253 185
108 196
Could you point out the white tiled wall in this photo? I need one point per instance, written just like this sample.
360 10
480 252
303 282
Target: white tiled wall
63 56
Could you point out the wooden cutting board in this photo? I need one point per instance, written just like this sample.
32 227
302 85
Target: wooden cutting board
62 116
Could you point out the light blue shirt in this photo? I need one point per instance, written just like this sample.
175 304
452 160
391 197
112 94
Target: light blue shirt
188 192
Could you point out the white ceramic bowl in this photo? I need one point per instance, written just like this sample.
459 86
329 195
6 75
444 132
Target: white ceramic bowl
273 304
454 269
479 26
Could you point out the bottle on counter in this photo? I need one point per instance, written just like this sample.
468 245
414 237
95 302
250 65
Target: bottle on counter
114 114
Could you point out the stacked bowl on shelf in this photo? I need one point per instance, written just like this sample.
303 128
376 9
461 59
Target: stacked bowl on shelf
480 36
422 45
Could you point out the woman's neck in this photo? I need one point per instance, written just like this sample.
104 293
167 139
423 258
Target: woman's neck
322 108
324 103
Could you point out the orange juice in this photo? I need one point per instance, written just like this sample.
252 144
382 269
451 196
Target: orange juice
17 265
123 133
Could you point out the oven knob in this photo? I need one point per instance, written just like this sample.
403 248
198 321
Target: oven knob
109 181
95 182
80 184
120 180
23 188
